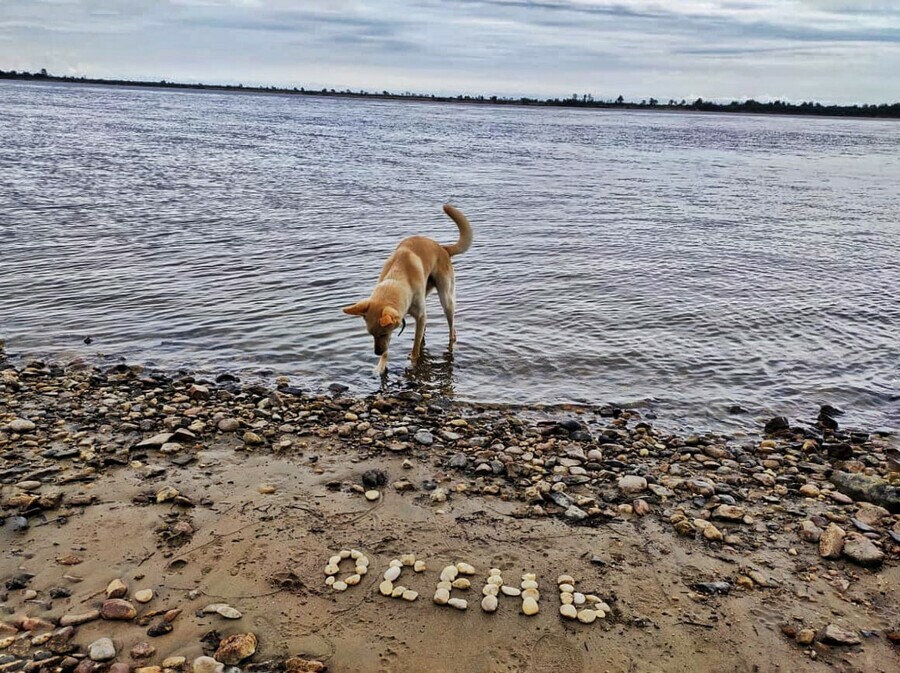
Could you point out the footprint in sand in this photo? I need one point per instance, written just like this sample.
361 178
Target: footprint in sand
552 654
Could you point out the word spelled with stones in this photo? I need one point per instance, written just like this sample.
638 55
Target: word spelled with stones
333 568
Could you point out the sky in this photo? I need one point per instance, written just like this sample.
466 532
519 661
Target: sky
838 51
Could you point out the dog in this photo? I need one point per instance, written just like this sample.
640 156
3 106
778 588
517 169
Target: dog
416 267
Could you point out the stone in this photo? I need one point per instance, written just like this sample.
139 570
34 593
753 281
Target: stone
340 585
862 551
458 603
386 588
465 568
234 649
143 596
228 612
832 542
207 665
21 425
300 665
438 495
867 488
809 532
372 495
587 616
805 636
424 438
442 596
870 514
712 533
489 603
568 611
835 635
142 650
392 573
632 484
174 662
117 608
641 507
409 595
229 425
728 513
119 667
810 491
575 513
83 618
102 649
116 589
420 566
252 439
777 424
530 606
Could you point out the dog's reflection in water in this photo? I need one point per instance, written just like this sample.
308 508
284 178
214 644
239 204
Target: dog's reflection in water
430 373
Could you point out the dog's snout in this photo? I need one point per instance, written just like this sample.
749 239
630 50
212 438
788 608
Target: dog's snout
379 350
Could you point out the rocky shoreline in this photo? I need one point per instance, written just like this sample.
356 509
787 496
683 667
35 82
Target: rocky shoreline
111 478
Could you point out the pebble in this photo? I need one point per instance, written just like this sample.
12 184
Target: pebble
835 635
372 495
207 665
116 589
632 484
392 573
510 591
102 649
442 596
266 489
530 606
252 439
22 425
143 596
465 568
409 595
142 651
489 603
458 603
805 636
117 609
420 566
862 551
449 573
234 649
386 588
832 542
568 611
587 616
229 612
424 438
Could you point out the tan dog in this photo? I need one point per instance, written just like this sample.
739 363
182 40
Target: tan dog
418 266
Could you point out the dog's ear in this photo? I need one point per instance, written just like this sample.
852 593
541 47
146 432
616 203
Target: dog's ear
359 308
389 317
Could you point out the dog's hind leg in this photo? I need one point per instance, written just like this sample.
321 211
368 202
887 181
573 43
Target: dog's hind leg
446 288
420 336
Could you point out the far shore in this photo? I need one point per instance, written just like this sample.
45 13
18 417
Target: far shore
882 111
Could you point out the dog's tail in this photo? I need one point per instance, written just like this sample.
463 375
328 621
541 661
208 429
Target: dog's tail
465 232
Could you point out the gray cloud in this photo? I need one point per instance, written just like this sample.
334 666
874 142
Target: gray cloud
833 50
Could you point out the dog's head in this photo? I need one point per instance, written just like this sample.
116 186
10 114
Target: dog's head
381 321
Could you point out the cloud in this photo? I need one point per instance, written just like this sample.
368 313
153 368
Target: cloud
837 50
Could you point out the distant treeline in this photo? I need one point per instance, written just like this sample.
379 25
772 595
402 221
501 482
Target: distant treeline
883 110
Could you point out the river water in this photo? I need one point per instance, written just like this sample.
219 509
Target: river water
684 263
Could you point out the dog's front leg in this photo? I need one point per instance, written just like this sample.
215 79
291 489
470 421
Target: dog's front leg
420 337
381 367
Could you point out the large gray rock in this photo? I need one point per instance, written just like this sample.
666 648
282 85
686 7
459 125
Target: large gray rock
868 489
835 635
862 551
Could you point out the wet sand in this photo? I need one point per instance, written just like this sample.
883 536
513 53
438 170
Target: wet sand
249 516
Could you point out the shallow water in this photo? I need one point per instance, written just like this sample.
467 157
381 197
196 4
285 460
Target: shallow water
683 262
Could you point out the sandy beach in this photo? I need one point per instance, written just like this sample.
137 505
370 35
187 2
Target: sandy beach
226 502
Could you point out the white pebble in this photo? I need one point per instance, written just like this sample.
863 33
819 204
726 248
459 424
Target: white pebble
392 573
579 598
465 568
495 571
587 616
408 559
565 579
361 570
495 579
362 561
332 570
531 593
566 598
603 607
510 591
461 583
420 566
529 584
372 495
386 588
449 574
395 563
489 603
568 588
329 580
344 553
490 590
530 606
445 585
355 554
335 560
398 591
441 596
458 603
600 614
353 580
339 586
568 611
410 595
529 577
